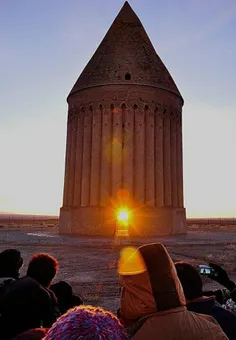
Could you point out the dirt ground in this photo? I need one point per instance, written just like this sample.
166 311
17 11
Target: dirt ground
90 264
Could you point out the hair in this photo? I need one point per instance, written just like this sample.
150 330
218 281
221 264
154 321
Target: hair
32 334
190 279
42 268
87 322
10 263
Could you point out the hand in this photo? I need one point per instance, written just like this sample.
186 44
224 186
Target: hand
221 276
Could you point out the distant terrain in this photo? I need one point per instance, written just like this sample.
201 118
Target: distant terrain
6 216
22 220
16 220
210 220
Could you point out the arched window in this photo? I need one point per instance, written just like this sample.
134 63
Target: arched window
128 76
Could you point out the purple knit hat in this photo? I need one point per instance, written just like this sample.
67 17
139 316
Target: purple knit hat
87 322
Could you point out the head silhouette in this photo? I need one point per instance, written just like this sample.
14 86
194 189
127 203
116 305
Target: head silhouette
10 263
42 268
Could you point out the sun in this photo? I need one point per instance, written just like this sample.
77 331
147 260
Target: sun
123 215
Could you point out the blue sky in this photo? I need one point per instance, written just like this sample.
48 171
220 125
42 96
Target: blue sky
44 45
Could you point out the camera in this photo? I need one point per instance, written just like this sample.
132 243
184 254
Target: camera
206 270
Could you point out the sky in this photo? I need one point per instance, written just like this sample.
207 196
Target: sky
44 46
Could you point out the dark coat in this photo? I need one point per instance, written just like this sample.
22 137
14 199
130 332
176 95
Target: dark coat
209 306
27 305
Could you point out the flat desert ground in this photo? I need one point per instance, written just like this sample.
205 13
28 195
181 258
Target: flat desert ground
89 264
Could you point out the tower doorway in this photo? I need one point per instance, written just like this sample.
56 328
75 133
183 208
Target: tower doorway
122 223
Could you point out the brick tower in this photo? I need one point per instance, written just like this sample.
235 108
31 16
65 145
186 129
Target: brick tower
124 139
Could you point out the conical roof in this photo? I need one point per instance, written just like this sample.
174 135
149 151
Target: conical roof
126 49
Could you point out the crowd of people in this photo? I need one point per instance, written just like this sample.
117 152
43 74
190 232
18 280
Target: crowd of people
159 299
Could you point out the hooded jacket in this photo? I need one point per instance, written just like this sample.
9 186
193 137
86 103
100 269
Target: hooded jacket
153 302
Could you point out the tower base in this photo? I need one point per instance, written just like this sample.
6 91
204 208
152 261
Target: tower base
101 221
